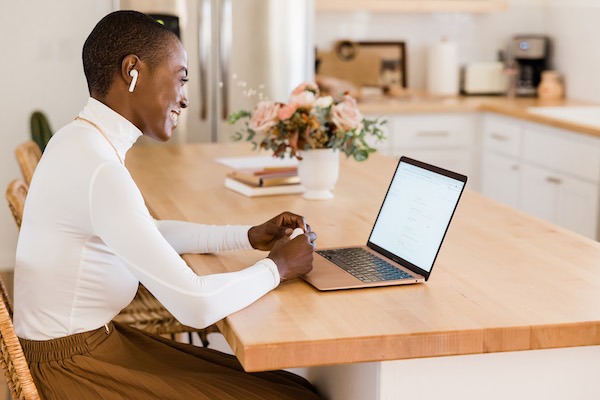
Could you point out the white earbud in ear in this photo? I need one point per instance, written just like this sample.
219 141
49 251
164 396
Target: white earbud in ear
134 74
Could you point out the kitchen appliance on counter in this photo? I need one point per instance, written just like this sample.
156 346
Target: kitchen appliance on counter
483 78
531 52
239 51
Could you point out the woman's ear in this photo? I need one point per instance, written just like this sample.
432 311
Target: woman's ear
130 71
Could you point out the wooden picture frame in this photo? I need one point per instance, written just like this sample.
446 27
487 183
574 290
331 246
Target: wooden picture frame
366 64
393 62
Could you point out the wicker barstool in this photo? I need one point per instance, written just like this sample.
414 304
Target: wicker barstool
145 312
14 365
28 156
15 195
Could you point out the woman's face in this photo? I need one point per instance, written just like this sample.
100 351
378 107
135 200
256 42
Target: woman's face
161 94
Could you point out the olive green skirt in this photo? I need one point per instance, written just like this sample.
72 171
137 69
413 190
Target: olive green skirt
126 363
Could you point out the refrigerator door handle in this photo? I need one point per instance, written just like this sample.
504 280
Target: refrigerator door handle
225 41
204 26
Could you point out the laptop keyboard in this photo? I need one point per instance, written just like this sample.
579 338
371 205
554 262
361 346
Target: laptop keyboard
364 265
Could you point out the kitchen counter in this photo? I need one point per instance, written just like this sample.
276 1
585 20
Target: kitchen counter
485 314
511 107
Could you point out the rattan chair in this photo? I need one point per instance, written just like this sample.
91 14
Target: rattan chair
16 193
28 156
14 365
145 311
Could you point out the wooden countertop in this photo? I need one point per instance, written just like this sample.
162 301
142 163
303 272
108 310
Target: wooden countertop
511 107
504 281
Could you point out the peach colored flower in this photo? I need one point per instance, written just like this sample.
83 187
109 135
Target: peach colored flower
304 99
264 116
305 94
306 86
324 102
287 110
345 115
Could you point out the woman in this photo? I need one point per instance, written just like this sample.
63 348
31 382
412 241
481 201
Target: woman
87 240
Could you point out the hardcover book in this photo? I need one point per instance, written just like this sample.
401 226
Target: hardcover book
255 191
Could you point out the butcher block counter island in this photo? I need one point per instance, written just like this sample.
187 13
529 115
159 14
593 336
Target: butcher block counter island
507 290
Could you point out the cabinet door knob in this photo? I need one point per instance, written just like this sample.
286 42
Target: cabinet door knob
554 180
499 137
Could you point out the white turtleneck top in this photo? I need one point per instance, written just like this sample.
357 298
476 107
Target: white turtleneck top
87 239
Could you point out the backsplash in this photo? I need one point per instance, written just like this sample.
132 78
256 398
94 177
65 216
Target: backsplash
480 36
574 27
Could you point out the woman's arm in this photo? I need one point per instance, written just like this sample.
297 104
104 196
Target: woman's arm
120 218
189 237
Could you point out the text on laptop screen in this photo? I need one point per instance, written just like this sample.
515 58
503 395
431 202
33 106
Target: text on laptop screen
415 214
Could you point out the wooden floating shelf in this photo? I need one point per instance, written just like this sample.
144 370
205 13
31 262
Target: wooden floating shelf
413 6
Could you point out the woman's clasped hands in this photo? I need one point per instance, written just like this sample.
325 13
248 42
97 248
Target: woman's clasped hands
293 257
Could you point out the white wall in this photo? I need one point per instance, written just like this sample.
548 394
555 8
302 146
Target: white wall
40 48
574 27
571 24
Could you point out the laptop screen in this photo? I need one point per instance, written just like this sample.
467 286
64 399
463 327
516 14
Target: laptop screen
416 213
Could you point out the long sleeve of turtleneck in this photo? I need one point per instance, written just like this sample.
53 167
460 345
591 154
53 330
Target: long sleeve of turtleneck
119 217
188 237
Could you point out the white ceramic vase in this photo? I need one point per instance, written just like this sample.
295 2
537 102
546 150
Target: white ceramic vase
318 171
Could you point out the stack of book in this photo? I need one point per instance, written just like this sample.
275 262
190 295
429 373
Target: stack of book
264 181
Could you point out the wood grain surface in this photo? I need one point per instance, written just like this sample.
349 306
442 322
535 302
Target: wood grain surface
503 281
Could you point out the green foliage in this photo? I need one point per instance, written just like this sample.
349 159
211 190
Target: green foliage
321 133
40 129
309 121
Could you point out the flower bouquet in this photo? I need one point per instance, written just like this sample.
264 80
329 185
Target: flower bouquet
309 121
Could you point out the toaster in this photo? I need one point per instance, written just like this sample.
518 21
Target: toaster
483 78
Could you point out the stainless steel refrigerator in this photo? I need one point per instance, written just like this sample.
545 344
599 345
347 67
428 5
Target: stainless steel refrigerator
239 52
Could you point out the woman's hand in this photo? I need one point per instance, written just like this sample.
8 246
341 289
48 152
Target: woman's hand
263 237
294 257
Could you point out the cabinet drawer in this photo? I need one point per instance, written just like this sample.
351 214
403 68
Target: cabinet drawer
569 202
433 131
502 135
562 151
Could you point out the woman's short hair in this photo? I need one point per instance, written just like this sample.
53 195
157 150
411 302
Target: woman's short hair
116 36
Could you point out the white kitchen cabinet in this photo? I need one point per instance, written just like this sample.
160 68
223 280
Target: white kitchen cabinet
448 140
550 173
500 178
569 202
500 159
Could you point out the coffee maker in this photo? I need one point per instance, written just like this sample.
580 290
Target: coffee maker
531 53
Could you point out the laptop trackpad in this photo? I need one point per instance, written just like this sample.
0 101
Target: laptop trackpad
325 275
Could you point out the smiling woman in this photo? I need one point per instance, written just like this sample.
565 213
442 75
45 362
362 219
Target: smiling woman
152 68
87 241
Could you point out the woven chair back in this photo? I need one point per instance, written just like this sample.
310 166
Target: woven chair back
28 156
12 360
16 193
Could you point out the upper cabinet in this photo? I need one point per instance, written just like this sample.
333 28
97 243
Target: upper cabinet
414 6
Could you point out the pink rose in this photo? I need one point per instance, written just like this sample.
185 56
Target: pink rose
303 99
306 86
345 115
264 116
305 94
287 110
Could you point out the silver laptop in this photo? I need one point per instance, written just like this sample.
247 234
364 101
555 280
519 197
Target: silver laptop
406 237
